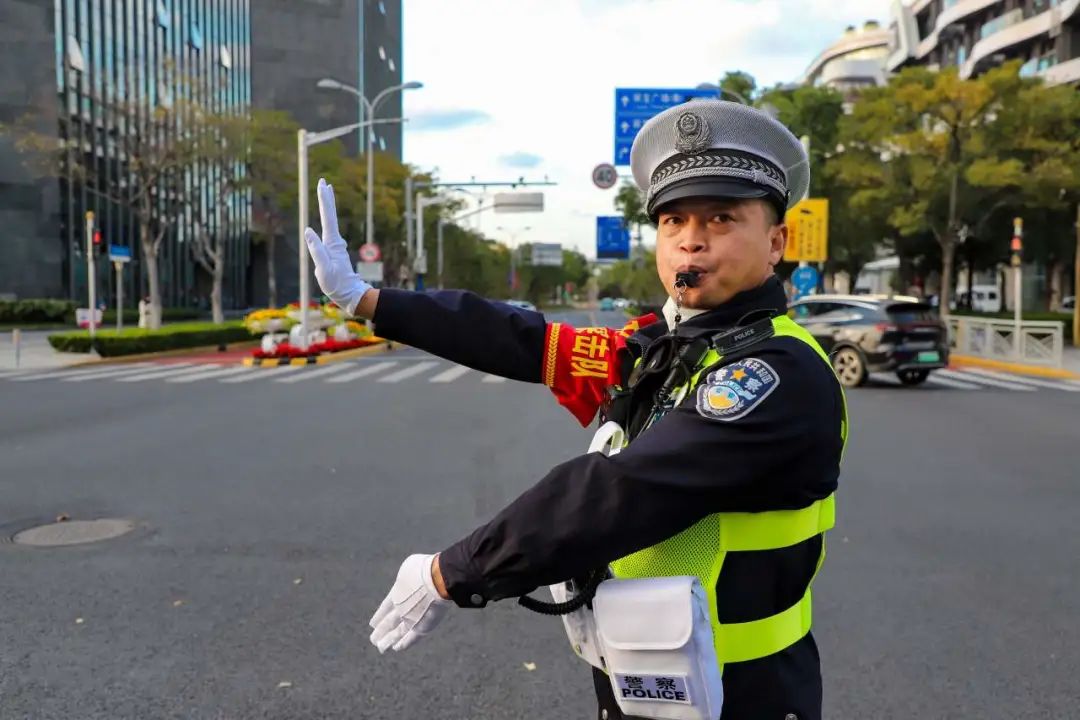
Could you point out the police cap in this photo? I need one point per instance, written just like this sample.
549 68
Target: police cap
721 149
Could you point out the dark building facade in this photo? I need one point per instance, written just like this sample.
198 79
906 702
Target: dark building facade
974 35
67 64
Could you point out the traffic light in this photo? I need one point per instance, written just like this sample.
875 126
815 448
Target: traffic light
99 247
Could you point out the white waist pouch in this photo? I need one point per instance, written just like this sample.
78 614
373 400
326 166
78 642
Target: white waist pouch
656 641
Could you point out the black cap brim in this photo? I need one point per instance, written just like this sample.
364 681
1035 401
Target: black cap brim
716 188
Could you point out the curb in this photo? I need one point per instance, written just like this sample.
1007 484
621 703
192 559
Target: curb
1018 368
380 347
120 359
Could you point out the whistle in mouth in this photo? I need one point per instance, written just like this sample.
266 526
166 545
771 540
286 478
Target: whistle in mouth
686 279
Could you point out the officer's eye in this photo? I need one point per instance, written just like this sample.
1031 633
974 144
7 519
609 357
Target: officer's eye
670 220
723 218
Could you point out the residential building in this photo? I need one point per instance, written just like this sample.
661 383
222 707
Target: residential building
855 61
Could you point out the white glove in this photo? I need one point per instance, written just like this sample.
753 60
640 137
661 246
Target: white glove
412 609
333 269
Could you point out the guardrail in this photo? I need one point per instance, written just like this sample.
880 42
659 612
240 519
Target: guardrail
1039 342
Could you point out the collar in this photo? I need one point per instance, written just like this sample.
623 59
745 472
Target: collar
745 307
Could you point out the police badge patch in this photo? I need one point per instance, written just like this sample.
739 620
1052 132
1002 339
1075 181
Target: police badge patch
734 390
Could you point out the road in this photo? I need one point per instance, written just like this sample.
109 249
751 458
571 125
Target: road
273 512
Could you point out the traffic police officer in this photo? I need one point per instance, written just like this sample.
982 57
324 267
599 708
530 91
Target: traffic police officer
735 419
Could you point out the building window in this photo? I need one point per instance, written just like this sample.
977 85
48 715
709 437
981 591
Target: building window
382 53
196 35
961 55
226 58
382 7
391 61
382 144
162 14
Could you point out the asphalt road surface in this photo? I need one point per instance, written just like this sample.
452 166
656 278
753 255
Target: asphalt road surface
274 507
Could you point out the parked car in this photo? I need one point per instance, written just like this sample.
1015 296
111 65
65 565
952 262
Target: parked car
521 304
984 299
607 304
1068 302
621 303
864 334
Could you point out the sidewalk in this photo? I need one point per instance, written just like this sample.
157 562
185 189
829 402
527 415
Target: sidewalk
1070 365
35 352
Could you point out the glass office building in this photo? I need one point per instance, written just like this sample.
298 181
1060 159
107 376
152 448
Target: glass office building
124 58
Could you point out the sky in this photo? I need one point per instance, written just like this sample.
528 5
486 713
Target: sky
526 88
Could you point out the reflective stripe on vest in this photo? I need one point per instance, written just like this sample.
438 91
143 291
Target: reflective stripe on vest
700 549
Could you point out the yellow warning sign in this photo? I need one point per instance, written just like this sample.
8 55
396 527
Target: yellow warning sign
808 231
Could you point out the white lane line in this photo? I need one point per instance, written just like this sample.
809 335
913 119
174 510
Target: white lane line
218 372
306 374
408 372
945 382
1022 380
13 373
70 373
171 370
260 374
363 372
953 375
450 375
110 372
493 379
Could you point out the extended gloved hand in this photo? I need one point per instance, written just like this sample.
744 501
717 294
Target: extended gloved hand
333 269
411 610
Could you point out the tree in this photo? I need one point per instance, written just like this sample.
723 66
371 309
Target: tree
630 203
159 145
931 133
271 171
738 84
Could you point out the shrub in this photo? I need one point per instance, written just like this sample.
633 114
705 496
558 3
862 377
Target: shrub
132 341
36 311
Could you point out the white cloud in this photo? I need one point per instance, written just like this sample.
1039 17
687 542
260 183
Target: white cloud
544 74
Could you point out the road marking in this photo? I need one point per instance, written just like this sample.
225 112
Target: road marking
362 372
259 374
408 372
450 375
945 382
493 379
953 375
1021 380
13 373
217 372
306 374
110 372
177 369
69 373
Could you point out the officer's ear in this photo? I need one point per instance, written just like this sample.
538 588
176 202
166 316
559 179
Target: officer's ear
778 239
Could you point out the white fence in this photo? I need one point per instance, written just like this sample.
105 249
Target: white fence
1039 342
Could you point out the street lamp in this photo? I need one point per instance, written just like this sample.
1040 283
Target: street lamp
370 106
513 250
304 140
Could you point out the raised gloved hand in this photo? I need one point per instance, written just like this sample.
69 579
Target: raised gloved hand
333 269
412 609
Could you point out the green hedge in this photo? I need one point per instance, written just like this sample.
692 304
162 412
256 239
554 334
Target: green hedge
44 311
37 311
132 341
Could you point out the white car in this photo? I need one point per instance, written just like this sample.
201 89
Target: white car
621 303
1068 302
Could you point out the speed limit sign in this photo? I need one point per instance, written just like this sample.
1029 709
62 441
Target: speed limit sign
604 176
369 252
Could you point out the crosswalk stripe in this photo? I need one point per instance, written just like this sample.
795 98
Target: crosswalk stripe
450 375
113 371
363 372
945 382
260 374
408 372
217 371
954 375
1021 380
306 374
68 373
493 379
171 370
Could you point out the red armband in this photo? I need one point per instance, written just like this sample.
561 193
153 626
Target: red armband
580 363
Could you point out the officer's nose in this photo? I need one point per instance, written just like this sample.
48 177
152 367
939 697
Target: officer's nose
692 239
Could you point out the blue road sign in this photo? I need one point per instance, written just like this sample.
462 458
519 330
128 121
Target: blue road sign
119 253
612 238
804 280
633 106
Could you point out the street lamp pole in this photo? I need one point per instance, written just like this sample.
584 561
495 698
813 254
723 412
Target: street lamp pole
304 140
370 106
513 251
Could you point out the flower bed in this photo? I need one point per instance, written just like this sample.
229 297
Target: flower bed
330 345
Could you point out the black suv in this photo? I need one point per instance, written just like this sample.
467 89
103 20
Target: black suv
868 333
